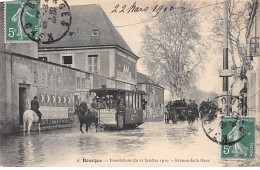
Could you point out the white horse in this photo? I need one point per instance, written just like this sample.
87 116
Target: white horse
29 117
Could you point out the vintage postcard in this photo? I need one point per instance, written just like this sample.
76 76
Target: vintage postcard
136 83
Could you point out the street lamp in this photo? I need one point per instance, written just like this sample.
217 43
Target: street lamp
256 46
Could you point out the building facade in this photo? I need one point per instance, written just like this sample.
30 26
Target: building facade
95 46
154 97
253 61
92 54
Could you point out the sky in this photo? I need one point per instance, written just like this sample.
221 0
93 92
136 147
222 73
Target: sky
209 79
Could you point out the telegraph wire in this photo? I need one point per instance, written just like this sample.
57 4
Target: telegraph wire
142 21
137 23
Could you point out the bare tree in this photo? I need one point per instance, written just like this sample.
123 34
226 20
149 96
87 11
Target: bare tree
172 49
237 17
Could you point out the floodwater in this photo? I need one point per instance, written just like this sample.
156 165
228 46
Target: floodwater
151 144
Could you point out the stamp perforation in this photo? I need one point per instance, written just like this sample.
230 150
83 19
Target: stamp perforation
5 27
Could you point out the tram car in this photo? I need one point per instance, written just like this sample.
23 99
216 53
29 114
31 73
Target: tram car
119 109
208 108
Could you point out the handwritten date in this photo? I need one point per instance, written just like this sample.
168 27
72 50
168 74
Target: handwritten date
157 9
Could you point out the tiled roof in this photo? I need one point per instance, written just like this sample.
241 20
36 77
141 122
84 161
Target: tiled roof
144 79
86 19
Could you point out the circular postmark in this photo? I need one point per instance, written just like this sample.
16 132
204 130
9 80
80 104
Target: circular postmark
54 20
218 129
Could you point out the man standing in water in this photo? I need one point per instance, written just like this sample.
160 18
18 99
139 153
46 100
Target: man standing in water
120 114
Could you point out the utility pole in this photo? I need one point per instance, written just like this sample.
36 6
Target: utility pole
226 72
225 52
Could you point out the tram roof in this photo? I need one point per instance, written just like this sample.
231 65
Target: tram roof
115 89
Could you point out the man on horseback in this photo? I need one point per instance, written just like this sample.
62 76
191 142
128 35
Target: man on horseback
35 107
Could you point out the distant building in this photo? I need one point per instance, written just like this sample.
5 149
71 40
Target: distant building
252 65
154 97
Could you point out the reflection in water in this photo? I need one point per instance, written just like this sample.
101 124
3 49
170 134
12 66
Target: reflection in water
151 140
182 135
30 151
89 144
21 153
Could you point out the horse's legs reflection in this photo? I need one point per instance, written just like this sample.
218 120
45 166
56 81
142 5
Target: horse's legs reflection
39 127
29 127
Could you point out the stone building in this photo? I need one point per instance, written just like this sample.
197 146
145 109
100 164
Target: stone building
154 97
252 65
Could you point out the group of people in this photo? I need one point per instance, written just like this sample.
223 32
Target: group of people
181 104
207 106
179 109
105 102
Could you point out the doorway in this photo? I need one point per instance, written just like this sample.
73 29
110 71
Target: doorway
22 103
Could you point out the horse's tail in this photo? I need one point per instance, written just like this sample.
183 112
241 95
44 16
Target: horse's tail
25 119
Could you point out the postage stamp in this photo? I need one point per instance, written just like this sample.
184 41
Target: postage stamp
17 13
239 133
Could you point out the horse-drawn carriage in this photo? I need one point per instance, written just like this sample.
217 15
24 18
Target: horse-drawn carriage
171 113
115 109
208 110
179 110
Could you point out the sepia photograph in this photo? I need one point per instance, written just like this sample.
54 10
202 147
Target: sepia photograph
129 83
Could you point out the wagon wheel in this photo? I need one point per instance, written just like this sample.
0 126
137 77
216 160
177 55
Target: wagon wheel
173 116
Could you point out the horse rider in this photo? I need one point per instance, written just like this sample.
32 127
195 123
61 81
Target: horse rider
190 105
184 103
195 104
195 107
35 107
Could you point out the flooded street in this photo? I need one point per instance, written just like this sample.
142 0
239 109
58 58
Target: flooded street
152 143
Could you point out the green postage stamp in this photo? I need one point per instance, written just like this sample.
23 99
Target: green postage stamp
239 133
21 20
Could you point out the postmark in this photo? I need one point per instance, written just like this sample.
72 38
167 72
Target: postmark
212 124
55 21
14 32
242 130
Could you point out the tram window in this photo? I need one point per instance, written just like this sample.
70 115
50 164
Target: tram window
130 101
133 101
127 100
111 102
140 101
137 101
134 106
